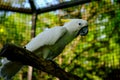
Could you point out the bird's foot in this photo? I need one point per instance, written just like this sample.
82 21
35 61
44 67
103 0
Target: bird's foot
53 62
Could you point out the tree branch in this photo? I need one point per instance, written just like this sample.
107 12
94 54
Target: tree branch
15 53
43 10
33 7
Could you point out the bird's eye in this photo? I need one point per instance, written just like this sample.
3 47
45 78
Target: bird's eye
79 23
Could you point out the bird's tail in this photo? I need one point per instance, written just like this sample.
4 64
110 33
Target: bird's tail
9 69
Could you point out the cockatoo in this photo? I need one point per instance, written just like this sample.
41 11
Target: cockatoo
48 44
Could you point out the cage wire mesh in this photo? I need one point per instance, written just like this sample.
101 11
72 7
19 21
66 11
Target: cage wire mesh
93 57
14 28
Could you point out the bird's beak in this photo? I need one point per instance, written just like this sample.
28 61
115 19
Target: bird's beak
83 31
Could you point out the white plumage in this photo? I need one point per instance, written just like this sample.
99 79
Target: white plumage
48 44
48 37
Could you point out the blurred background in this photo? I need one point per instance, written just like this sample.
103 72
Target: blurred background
93 57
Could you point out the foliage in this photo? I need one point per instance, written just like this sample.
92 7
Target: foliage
93 57
96 56
13 29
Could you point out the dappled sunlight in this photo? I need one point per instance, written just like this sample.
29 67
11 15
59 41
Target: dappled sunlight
95 56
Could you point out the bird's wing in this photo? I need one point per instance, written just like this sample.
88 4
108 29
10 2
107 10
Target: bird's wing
47 37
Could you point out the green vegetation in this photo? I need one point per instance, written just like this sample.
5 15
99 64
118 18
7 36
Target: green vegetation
93 57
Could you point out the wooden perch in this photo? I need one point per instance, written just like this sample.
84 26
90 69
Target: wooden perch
16 53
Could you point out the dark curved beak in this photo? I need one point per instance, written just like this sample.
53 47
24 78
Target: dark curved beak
83 31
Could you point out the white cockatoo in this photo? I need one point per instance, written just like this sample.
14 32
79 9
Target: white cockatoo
48 44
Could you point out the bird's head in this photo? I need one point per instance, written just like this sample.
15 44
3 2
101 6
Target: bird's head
77 26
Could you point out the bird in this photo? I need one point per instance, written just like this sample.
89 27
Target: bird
47 44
